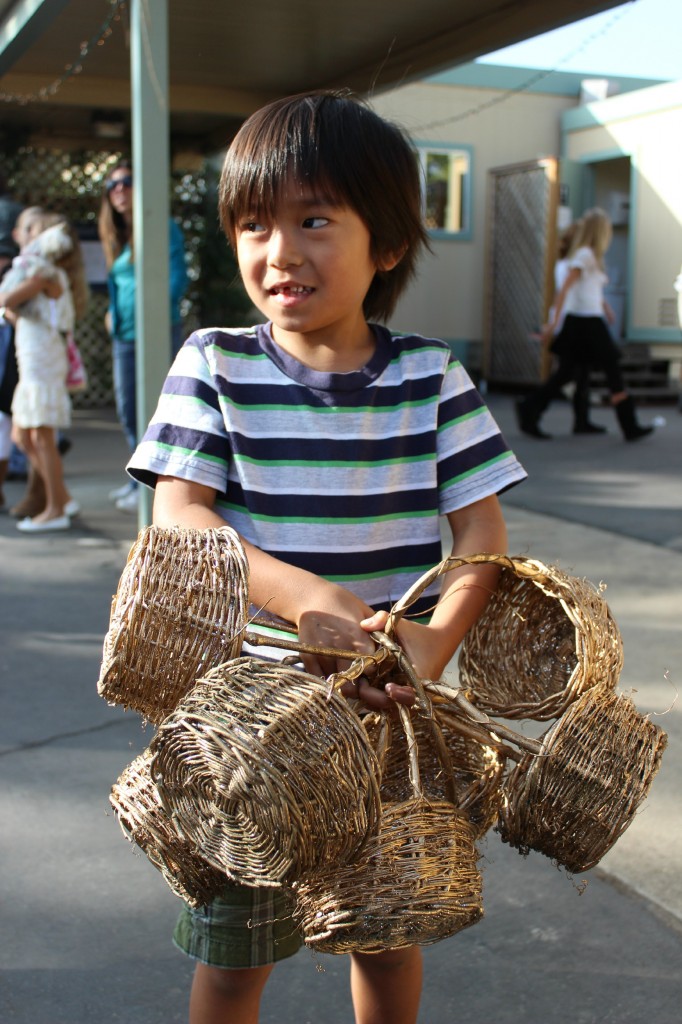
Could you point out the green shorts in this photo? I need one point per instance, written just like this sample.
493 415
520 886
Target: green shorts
243 927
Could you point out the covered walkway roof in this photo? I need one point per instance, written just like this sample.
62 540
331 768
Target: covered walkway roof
228 57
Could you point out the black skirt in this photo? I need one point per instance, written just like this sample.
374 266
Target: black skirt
586 339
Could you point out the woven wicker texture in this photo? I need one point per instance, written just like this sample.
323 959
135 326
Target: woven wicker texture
268 774
572 801
544 638
179 610
144 822
471 780
416 881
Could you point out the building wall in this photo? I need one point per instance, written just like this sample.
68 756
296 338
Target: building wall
446 300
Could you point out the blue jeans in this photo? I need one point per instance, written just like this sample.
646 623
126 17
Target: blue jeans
124 381
124 388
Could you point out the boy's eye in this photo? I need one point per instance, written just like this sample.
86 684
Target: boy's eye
315 222
251 226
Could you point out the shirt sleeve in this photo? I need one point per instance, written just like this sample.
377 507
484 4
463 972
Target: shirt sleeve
474 459
187 436
583 259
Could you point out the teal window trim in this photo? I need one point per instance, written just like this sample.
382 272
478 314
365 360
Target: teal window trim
465 234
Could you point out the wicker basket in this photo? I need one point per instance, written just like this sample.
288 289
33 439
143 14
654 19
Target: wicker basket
471 779
416 882
267 773
144 822
544 638
180 609
574 799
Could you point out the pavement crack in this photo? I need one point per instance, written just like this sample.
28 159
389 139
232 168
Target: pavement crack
47 741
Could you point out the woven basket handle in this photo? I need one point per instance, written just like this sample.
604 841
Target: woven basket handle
451 562
477 724
425 708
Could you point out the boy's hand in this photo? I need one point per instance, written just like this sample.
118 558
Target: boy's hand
339 625
420 643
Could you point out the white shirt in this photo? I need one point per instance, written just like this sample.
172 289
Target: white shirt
586 296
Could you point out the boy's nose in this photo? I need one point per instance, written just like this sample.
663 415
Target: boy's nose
282 250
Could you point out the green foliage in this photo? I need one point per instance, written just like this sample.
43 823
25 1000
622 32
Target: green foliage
72 183
216 294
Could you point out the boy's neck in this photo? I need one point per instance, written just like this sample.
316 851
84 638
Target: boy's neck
328 353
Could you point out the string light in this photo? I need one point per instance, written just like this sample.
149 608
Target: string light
85 49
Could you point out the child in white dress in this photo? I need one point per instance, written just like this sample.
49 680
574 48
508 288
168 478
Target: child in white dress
40 294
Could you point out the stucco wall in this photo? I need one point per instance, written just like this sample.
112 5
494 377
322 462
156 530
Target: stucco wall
447 298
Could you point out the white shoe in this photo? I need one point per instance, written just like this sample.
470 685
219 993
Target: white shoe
33 526
129 502
122 492
72 508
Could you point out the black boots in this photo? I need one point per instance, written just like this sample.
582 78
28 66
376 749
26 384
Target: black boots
530 409
528 420
625 411
581 414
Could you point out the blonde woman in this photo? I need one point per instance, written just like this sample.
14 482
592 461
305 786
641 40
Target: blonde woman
584 339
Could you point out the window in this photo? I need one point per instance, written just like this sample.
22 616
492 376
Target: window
447 189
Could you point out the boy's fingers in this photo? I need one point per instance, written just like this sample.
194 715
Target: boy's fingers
381 699
374 622
401 694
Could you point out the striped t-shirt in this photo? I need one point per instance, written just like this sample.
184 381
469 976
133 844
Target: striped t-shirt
342 474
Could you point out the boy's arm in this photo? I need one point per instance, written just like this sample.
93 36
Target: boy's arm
478 528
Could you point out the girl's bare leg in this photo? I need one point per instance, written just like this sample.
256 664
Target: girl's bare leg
227 996
49 462
386 987
22 439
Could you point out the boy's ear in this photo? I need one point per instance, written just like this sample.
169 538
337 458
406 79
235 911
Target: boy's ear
391 259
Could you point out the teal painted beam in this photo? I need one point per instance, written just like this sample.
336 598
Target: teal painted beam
151 168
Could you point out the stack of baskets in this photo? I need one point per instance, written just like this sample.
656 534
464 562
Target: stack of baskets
547 648
262 774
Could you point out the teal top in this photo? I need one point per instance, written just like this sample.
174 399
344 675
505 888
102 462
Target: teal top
121 282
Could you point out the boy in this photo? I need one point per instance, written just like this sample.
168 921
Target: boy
332 447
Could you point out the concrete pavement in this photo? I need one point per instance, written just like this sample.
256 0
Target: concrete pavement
86 920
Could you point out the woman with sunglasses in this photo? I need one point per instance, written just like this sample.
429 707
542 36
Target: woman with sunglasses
116 235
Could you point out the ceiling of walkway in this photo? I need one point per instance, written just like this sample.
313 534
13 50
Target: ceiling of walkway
228 58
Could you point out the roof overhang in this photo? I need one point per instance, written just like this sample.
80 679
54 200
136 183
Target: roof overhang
227 59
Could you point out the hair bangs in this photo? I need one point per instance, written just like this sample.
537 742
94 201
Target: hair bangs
268 154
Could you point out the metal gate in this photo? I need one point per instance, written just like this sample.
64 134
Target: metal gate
522 212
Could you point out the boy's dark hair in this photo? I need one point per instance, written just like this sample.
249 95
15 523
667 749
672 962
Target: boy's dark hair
347 154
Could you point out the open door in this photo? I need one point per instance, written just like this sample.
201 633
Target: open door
521 250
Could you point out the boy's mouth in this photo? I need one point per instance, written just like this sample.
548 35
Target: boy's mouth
290 289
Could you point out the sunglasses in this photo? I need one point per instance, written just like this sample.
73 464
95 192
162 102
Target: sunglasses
126 182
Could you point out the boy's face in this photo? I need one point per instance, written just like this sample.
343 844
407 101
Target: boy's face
308 269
